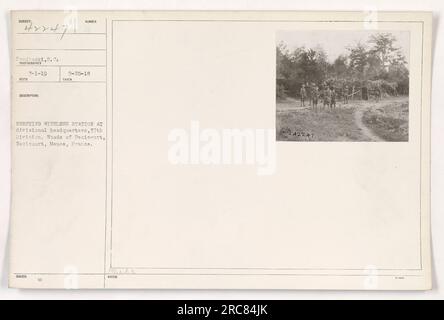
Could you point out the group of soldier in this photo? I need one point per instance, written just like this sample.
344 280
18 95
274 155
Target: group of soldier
311 93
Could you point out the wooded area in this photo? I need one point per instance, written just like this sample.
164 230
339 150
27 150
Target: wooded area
376 67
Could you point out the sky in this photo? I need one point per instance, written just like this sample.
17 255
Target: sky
335 43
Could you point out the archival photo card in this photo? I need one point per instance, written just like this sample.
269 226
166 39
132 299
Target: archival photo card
156 149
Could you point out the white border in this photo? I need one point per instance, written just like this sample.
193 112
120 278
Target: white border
437 151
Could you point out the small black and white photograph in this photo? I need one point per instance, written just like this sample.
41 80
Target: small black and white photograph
342 85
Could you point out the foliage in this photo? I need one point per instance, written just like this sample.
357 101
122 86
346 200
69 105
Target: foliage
379 59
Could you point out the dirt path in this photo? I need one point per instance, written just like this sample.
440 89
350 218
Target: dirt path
365 131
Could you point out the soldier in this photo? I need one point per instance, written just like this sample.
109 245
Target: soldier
326 97
346 94
303 94
378 93
312 88
332 98
315 96
308 90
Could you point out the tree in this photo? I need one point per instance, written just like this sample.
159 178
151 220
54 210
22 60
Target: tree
358 56
340 67
385 50
378 60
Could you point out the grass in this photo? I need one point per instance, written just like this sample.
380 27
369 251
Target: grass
325 125
386 119
390 121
